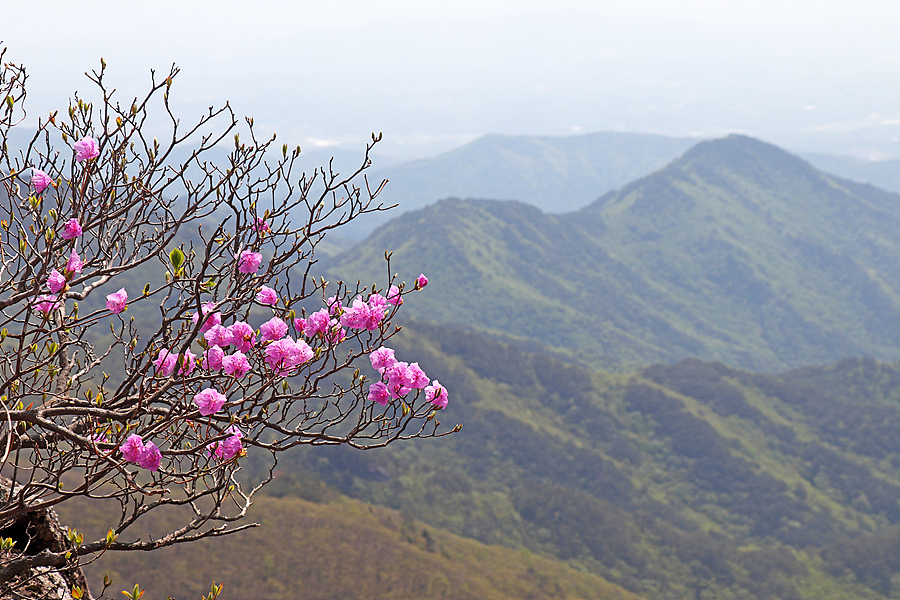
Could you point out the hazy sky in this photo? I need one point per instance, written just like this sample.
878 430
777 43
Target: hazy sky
809 75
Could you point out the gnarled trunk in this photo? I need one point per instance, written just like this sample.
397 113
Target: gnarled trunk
24 573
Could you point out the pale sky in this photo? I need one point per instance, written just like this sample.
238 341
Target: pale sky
808 75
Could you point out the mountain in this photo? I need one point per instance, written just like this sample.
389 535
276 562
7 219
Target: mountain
884 174
676 481
554 173
737 252
339 548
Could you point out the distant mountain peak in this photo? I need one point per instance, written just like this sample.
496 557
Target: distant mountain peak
743 153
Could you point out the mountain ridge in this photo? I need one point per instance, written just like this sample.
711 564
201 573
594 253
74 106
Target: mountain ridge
737 251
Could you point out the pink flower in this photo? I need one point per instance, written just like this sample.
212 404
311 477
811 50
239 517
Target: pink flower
132 448
86 149
165 363
249 261
267 296
74 264
71 230
377 301
39 180
218 335
209 401
378 392
230 447
212 358
273 329
436 394
236 364
117 302
421 281
45 303
299 324
400 379
362 315
382 358
210 321
316 323
56 281
286 355
260 225
393 296
150 457
242 336
419 379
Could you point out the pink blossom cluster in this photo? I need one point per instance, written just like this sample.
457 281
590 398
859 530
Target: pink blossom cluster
166 362
211 321
400 378
209 401
249 261
321 323
282 354
230 446
365 315
286 355
146 456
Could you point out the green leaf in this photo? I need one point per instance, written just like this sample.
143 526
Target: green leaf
177 258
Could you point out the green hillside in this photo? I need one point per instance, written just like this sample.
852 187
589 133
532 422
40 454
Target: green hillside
339 548
737 252
680 481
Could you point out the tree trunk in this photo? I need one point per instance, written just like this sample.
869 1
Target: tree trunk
35 533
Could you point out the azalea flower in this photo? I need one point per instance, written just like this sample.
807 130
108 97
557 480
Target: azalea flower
378 392
74 264
46 303
132 448
146 456
165 363
210 321
39 180
316 323
236 365
71 230
209 401
421 281
260 225
218 335
230 447
242 336
150 457
212 358
249 261
393 296
56 281
436 394
187 363
86 149
382 358
272 330
117 302
267 296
